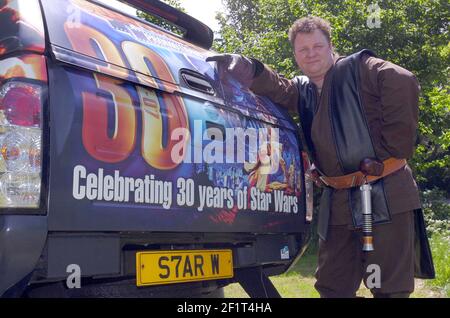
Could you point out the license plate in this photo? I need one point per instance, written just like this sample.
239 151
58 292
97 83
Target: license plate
168 267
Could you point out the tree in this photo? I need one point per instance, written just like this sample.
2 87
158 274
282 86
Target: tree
412 33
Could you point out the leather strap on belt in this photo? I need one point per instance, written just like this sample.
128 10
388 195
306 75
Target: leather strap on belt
357 179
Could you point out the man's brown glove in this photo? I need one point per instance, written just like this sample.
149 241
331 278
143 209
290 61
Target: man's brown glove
239 67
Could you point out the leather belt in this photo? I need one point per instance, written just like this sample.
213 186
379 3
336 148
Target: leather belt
357 179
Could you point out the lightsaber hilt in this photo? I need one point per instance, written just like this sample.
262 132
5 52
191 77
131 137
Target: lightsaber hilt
367 217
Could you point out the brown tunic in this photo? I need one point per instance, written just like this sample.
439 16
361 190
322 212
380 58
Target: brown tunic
389 95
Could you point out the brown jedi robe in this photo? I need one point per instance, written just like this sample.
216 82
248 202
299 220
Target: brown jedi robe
390 99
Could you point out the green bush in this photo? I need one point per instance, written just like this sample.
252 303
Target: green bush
436 210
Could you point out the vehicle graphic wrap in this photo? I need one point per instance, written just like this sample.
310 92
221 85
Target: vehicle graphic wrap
144 152
29 66
21 26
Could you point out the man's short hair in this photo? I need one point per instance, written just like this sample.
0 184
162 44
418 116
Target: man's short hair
308 25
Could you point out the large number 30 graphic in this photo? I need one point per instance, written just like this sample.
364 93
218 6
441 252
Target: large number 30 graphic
118 146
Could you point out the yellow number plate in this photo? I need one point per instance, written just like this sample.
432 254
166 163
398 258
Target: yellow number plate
168 267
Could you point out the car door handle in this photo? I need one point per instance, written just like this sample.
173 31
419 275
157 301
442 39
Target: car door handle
197 82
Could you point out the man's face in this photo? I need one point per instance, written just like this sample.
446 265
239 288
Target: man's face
313 53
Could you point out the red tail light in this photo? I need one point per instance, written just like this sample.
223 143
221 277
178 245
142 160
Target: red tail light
20 144
21 104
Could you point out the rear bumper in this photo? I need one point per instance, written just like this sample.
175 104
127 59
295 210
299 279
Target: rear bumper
26 245
113 255
22 240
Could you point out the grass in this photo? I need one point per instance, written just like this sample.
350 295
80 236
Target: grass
299 283
440 248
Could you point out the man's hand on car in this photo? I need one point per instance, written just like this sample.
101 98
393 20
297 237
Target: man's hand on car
239 67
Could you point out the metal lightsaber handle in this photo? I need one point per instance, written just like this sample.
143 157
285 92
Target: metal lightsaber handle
367 217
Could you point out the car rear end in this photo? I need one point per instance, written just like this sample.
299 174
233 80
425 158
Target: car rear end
23 136
129 168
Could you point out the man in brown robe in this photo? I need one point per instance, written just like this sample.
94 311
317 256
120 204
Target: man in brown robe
389 95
